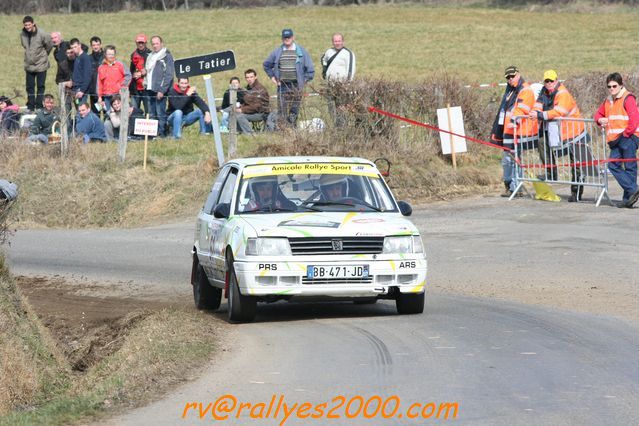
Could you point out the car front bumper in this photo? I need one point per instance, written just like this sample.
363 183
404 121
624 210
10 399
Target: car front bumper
289 278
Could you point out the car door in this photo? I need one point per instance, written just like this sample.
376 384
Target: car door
203 227
216 243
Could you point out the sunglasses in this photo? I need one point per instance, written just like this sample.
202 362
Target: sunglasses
549 81
613 86
509 77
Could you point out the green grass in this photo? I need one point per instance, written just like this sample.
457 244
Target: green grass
395 42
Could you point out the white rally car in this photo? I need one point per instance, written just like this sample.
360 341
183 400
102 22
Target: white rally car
295 228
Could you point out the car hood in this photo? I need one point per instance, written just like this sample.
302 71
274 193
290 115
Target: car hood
314 224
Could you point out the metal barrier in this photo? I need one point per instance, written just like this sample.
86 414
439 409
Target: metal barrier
569 151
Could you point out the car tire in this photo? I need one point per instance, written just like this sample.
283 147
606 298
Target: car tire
410 303
205 295
241 308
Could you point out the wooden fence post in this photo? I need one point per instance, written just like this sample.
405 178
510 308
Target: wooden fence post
124 123
232 123
64 120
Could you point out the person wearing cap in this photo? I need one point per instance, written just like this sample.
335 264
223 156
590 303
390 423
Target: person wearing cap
555 101
37 46
138 59
289 67
518 100
338 65
160 69
619 117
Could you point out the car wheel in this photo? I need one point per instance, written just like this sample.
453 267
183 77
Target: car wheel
410 303
241 308
205 295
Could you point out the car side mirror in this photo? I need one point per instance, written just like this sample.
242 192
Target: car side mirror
405 208
222 211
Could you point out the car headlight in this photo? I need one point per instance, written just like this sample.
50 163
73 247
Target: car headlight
268 247
397 245
418 245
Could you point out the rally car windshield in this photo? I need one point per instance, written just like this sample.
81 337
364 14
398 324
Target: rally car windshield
261 193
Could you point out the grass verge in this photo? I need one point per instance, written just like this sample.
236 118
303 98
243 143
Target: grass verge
149 351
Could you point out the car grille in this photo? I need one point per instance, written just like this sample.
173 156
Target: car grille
367 280
325 245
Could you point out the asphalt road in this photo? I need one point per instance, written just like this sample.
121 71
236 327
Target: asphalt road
502 362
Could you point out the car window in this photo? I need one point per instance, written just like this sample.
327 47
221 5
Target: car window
211 200
229 187
271 189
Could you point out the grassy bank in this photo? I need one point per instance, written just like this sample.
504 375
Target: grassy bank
145 353
405 42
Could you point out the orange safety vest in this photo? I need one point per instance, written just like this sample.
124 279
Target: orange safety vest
525 126
565 106
617 116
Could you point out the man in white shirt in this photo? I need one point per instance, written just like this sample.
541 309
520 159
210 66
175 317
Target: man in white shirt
338 67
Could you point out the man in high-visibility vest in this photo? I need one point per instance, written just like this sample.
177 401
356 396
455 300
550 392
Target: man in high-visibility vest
555 101
518 101
620 117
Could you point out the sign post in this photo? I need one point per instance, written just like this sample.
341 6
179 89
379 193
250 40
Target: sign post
147 128
205 65
450 119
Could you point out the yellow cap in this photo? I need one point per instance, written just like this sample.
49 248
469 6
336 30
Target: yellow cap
550 75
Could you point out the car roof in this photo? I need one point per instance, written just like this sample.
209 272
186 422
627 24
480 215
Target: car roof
243 162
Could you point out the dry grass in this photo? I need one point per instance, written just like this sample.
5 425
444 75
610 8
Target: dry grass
148 352
30 364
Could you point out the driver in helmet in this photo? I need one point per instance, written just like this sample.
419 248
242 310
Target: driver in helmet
333 187
264 192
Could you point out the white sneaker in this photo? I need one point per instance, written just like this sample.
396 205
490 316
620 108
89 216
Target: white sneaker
224 129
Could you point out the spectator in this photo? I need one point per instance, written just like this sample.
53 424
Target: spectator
555 101
338 65
138 59
89 125
182 97
97 58
112 122
289 67
9 116
159 78
518 100
37 46
619 116
81 76
42 125
65 75
256 103
112 76
234 82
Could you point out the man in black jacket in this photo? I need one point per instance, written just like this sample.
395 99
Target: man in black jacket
182 97
81 73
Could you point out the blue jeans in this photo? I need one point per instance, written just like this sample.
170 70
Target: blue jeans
289 98
508 166
177 120
157 110
625 173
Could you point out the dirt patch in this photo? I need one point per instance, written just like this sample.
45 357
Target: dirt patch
88 328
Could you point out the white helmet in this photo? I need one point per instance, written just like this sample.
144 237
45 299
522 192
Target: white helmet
259 181
328 181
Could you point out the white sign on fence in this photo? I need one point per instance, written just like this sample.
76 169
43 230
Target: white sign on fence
457 125
145 127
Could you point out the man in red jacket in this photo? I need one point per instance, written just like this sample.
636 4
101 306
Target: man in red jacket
112 76
138 59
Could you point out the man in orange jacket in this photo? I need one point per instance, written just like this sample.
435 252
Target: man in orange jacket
518 101
555 101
